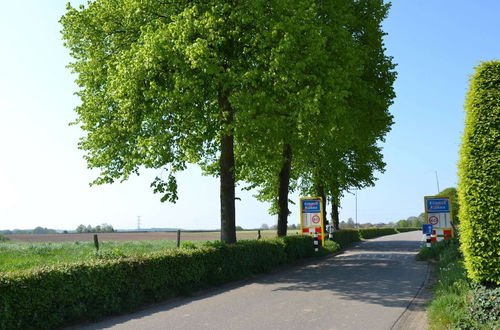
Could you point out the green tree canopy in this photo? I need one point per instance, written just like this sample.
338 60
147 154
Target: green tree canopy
455 206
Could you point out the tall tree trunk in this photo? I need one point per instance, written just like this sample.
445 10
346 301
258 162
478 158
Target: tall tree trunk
321 193
227 182
283 189
335 213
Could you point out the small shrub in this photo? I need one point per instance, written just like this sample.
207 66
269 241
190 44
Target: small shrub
108 254
214 244
330 247
485 303
436 249
188 245
4 238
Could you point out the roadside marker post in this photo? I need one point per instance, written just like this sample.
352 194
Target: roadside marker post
427 231
311 217
316 243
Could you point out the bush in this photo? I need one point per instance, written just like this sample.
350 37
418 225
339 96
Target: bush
109 254
407 229
436 249
4 238
457 303
345 237
50 297
367 233
485 304
188 245
478 176
298 247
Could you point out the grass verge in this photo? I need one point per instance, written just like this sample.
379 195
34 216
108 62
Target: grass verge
457 302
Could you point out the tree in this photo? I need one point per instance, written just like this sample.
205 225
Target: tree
350 223
301 75
41 230
351 154
402 224
264 226
156 89
414 222
455 206
81 229
106 228
342 130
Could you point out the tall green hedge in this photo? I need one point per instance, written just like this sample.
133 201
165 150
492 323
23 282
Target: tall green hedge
50 297
479 176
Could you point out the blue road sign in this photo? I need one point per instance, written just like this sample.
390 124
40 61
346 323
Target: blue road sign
311 206
437 205
427 229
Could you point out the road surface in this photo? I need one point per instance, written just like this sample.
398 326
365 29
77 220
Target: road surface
369 286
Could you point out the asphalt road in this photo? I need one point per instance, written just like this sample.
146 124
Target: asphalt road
369 286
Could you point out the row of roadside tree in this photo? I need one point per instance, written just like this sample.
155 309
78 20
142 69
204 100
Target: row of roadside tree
279 96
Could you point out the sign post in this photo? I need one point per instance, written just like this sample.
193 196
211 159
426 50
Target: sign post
311 217
438 214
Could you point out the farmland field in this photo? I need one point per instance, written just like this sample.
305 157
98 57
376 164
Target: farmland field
28 251
138 236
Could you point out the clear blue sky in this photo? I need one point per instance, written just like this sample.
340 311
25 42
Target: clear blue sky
44 180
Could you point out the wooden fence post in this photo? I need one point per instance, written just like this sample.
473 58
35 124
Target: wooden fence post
96 242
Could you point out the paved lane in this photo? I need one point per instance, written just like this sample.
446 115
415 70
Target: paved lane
368 286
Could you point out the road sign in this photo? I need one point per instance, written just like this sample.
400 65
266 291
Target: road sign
311 205
311 217
437 205
426 229
438 213
433 220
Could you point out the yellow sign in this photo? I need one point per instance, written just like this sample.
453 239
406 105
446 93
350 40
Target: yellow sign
311 217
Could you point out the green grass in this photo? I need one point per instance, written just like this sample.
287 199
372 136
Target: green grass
20 256
457 303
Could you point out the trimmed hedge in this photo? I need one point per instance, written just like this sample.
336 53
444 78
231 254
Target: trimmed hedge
346 236
479 173
367 233
407 229
50 297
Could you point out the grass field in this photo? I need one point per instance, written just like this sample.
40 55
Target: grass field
18 255
28 251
